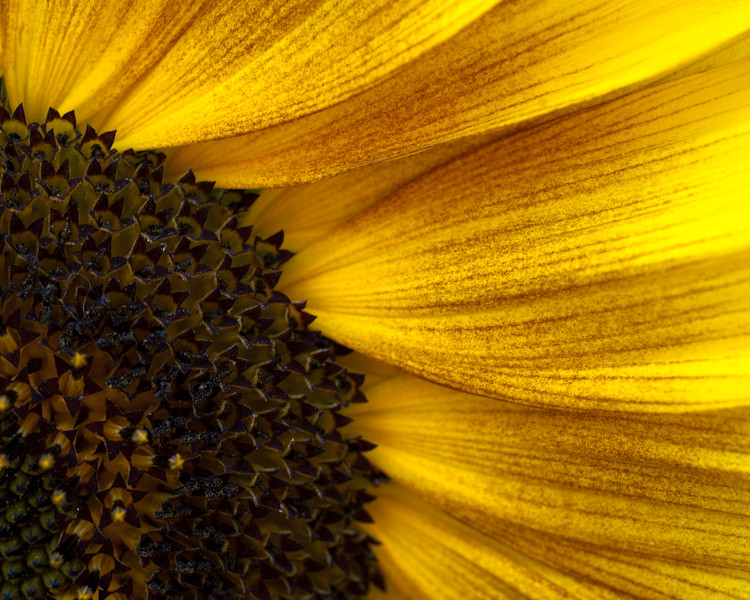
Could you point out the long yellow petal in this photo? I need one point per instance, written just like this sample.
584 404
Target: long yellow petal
516 65
652 506
172 72
426 554
308 212
247 65
84 55
600 261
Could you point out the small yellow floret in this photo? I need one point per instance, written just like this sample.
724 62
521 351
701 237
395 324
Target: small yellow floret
58 497
176 462
79 360
4 402
140 436
85 593
55 559
7 343
46 461
118 514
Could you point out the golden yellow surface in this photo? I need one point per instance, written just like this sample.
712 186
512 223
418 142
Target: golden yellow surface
174 73
629 502
199 54
308 212
518 64
600 261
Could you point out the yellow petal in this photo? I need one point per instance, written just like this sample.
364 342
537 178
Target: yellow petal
309 212
733 50
243 66
517 64
651 506
599 261
428 554
84 55
172 72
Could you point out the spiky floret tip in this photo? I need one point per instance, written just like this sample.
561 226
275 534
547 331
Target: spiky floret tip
169 426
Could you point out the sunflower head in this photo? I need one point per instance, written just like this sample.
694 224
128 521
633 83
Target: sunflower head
170 428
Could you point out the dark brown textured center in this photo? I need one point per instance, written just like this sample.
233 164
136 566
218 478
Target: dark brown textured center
170 427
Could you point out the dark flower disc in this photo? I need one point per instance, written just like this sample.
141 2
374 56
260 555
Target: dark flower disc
170 427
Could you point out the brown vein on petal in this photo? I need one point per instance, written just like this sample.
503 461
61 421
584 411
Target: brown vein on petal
492 77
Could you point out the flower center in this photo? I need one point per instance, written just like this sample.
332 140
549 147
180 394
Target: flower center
170 427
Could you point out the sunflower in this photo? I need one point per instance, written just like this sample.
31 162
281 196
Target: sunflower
528 220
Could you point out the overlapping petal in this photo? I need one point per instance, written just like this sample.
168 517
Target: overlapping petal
341 75
425 553
203 70
520 63
600 261
308 212
82 55
652 506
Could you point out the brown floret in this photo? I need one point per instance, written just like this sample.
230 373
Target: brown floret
170 428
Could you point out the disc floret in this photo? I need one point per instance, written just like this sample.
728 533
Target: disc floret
170 427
